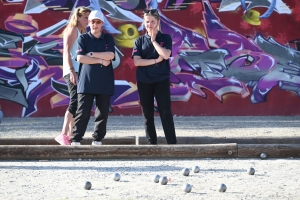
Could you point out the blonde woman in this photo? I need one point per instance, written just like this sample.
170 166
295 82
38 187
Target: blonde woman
151 55
77 25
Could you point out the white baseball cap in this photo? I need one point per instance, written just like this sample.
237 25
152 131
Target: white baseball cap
96 14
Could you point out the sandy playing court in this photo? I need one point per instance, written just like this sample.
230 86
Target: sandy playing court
274 179
56 179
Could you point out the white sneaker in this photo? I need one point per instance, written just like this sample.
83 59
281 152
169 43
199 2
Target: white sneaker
75 143
96 143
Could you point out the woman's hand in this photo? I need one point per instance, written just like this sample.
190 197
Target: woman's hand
153 34
73 77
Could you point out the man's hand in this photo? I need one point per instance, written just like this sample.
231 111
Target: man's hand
105 63
159 59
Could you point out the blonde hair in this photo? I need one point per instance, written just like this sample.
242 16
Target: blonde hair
73 22
153 13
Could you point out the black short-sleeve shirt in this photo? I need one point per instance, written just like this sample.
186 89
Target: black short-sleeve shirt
144 48
95 78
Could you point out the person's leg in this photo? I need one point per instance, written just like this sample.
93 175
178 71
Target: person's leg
146 95
71 125
72 106
163 99
101 116
83 113
63 139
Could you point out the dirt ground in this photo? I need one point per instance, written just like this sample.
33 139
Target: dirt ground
221 126
64 179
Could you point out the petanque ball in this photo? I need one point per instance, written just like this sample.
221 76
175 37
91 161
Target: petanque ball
116 177
196 169
222 187
185 172
251 171
187 188
87 185
163 180
156 178
263 156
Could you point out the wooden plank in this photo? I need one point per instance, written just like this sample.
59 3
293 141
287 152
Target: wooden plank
46 152
130 140
272 150
216 140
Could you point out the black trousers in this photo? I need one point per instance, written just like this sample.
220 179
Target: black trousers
83 113
161 92
73 95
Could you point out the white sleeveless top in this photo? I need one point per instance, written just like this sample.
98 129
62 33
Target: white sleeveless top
66 69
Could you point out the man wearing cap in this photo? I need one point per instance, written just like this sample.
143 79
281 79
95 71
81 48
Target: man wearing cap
95 79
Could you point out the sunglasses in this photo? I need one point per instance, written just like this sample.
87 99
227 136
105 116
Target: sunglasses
82 8
151 11
95 22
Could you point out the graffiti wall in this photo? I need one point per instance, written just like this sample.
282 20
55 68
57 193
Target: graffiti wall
230 57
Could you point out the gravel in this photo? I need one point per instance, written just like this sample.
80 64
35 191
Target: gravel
64 179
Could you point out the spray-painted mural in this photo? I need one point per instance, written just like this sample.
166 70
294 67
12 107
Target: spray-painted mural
230 57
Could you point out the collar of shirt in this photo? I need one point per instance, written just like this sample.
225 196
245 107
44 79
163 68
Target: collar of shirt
93 37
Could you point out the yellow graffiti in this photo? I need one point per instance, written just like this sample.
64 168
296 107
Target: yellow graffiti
252 17
127 38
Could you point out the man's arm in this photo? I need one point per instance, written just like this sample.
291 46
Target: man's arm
88 60
103 55
107 56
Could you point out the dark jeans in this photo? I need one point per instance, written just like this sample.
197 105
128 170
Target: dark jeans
85 103
161 91
73 95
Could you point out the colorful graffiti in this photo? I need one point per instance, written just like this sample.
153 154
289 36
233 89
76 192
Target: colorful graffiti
230 57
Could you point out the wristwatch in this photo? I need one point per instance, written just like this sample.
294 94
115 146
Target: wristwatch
91 54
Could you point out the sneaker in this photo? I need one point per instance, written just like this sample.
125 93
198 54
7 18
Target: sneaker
152 143
96 143
63 139
75 143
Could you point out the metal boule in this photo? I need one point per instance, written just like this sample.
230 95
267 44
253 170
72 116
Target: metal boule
87 185
187 188
263 156
116 177
163 180
251 171
222 187
156 178
196 169
185 171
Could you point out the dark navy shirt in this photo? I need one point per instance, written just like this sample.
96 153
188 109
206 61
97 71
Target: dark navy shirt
95 78
144 48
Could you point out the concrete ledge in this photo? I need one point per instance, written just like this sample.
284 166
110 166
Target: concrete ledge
42 152
126 148
130 140
217 140
272 150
